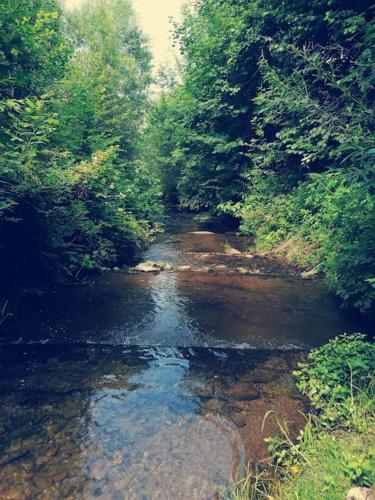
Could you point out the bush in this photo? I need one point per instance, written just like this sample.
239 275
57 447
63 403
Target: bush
75 191
330 219
336 449
335 375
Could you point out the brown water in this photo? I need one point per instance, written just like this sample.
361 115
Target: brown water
154 386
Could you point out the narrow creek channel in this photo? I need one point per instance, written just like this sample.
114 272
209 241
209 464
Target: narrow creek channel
155 385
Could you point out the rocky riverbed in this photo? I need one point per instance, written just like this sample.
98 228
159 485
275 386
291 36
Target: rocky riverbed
152 382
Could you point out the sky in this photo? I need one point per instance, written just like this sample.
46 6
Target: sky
154 20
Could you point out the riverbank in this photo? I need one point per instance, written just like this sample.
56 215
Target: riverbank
205 288
134 376
334 453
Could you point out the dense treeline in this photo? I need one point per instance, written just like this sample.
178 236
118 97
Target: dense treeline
74 191
274 123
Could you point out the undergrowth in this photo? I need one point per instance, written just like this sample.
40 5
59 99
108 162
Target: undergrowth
336 448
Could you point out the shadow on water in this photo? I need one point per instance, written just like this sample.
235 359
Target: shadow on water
209 304
155 385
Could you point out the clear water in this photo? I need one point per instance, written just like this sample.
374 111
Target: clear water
155 386
206 306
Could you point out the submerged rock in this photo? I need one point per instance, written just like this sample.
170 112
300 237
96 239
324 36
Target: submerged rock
260 375
241 391
98 470
117 458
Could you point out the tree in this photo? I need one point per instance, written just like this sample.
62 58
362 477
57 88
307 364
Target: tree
275 124
75 190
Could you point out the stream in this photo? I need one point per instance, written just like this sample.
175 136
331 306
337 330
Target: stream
154 385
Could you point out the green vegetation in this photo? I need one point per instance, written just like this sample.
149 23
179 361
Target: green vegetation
274 123
336 449
75 191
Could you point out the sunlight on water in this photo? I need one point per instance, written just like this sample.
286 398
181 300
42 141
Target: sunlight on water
155 385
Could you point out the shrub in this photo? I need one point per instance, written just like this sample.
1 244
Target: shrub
335 375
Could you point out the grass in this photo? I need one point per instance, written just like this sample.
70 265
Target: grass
321 464
335 463
336 449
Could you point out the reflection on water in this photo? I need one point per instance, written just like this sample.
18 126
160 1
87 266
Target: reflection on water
107 422
209 305
155 386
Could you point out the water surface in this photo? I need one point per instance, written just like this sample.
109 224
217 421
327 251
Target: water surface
155 385
212 304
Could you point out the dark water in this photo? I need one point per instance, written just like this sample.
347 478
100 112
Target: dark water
205 306
155 385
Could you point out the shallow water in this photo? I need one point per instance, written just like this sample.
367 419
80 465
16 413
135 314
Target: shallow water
155 385
151 422
205 306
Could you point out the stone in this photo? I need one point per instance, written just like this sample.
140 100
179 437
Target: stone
357 493
238 420
201 232
148 267
241 391
260 375
98 470
309 275
232 251
242 270
183 269
14 494
59 475
276 363
42 483
117 458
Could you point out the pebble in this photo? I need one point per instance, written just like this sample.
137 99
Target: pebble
242 270
357 493
98 470
183 268
13 494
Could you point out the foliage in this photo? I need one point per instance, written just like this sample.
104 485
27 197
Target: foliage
74 189
33 50
331 464
274 123
336 448
330 216
210 111
336 373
